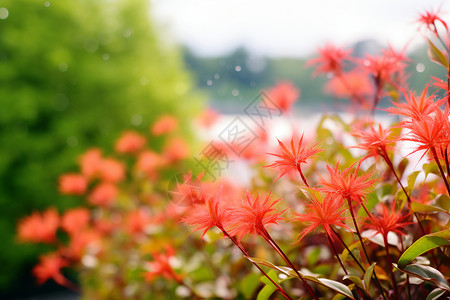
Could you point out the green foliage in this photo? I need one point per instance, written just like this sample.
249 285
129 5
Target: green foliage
424 244
73 74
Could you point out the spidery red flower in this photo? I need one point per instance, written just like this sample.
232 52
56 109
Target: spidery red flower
326 214
331 59
283 95
415 107
49 267
39 227
75 220
429 20
430 132
346 184
387 220
130 142
212 213
72 184
161 266
377 142
291 159
253 214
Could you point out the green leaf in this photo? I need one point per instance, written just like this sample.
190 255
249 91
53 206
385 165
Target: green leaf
368 276
331 284
420 207
424 244
426 273
249 284
269 287
412 180
345 253
430 168
443 201
435 294
436 55
266 292
356 280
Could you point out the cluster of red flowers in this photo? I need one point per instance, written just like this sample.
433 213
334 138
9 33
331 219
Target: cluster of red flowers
356 208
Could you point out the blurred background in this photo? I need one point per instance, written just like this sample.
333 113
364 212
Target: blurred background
73 74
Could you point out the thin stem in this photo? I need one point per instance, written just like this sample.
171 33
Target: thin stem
357 229
433 151
336 254
279 288
394 283
301 175
391 166
350 252
408 286
359 265
274 245
445 155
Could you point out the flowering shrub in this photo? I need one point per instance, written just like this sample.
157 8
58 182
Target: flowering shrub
340 213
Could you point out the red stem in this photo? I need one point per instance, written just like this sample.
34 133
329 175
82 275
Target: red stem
394 283
279 288
275 246
301 175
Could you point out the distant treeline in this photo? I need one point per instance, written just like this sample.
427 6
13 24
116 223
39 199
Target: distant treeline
240 75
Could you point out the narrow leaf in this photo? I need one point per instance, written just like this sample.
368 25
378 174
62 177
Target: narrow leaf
420 207
435 294
424 244
368 277
269 287
356 280
436 55
331 284
426 273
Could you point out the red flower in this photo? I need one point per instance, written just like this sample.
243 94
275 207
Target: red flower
387 220
130 142
283 95
431 132
75 220
429 20
148 163
326 214
253 214
354 85
72 184
49 267
442 84
138 220
104 194
415 107
376 142
176 149
331 59
190 191
291 159
213 213
164 124
90 163
111 170
80 242
383 67
346 184
39 228
161 266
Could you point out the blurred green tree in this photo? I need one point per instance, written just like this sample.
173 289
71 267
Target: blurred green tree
73 74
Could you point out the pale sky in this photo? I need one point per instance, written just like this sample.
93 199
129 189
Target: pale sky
288 27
